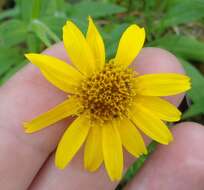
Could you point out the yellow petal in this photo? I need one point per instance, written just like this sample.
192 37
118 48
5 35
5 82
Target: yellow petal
96 44
112 151
78 49
93 156
61 111
131 138
71 141
150 124
130 45
67 86
160 107
58 72
164 84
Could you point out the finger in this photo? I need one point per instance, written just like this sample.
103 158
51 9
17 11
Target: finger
74 176
147 62
178 166
22 98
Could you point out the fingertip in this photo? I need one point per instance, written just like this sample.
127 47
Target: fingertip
176 166
58 51
157 60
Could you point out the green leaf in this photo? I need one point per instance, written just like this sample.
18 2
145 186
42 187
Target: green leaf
12 32
94 9
25 8
196 93
55 8
112 39
183 11
136 166
9 13
183 46
55 24
36 7
11 72
41 34
9 58
195 109
61 11
197 81
34 44
44 33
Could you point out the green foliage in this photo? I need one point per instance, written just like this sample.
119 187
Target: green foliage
179 12
8 59
196 93
112 38
186 47
36 24
178 26
9 13
25 9
95 9
12 32
136 166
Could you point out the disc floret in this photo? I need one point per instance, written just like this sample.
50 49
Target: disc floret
107 94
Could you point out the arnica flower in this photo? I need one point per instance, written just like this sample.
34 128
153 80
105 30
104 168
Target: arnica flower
108 99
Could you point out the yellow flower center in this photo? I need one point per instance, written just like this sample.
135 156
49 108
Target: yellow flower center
108 93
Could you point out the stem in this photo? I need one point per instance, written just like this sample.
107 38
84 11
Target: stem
136 166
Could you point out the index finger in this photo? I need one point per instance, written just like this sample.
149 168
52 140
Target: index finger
24 96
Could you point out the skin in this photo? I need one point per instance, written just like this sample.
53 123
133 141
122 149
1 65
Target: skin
26 160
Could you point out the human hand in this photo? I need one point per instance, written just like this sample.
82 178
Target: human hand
26 160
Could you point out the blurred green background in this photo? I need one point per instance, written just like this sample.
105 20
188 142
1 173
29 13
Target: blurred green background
175 25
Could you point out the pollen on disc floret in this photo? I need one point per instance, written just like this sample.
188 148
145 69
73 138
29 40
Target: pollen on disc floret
107 94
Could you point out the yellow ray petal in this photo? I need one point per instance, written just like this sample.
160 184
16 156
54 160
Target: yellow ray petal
78 49
71 141
112 151
61 111
150 124
160 107
164 84
131 138
67 86
58 72
96 44
93 156
130 45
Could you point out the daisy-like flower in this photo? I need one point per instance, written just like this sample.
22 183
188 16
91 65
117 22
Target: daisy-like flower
109 100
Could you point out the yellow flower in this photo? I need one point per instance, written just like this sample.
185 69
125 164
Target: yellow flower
110 100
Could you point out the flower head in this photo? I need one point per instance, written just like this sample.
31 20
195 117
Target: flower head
109 99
